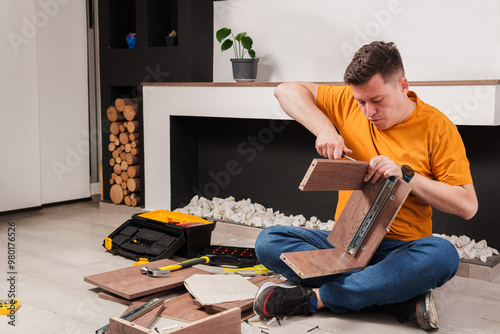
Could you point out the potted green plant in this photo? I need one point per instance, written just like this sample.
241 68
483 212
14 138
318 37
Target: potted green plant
171 39
244 69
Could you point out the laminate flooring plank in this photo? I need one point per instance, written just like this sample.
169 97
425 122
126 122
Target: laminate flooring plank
130 283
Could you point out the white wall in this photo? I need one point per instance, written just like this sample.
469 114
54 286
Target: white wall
63 100
44 92
314 40
19 128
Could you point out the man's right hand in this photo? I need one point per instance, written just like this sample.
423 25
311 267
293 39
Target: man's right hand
330 144
298 100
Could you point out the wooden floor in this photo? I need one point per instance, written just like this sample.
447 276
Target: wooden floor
57 246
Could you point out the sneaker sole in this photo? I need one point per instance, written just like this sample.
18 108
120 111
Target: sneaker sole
432 310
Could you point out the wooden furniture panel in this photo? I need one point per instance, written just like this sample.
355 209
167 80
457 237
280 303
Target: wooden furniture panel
130 283
358 206
183 308
120 300
227 322
120 326
332 261
146 319
332 175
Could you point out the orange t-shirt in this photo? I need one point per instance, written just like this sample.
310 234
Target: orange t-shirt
427 141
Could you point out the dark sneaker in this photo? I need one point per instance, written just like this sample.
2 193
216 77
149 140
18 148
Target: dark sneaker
284 299
420 311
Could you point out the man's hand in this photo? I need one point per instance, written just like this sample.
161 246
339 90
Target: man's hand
382 166
298 100
330 144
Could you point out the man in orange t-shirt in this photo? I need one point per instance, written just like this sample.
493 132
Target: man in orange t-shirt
377 119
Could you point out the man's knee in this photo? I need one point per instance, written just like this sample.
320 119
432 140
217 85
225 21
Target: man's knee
445 256
264 242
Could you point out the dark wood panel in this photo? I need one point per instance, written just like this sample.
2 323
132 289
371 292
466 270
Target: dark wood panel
130 283
331 261
332 175
183 308
146 319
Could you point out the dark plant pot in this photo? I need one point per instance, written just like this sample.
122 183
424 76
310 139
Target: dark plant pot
171 40
245 70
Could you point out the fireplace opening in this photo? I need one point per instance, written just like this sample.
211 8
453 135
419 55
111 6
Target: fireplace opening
265 160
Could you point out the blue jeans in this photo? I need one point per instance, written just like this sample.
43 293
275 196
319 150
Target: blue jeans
398 271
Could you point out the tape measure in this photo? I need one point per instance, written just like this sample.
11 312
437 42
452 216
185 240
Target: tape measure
9 306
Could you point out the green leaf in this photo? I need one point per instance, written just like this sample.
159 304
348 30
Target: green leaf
247 42
222 33
240 36
226 45
251 53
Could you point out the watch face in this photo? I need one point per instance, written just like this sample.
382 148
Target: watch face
408 170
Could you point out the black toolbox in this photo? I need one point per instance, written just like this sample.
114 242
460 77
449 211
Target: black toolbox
159 235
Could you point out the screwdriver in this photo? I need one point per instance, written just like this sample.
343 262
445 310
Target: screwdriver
348 157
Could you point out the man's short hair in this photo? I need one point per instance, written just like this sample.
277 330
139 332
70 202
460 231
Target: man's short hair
373 58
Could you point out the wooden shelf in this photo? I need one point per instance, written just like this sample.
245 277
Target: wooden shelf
267 84
122 69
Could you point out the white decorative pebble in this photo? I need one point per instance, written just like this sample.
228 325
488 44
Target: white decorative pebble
470 249
254 214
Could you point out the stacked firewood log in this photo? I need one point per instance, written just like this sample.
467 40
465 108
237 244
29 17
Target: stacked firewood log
124 148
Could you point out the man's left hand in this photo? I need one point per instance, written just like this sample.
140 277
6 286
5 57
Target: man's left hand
382 166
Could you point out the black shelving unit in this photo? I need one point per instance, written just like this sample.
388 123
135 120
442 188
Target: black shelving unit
122 70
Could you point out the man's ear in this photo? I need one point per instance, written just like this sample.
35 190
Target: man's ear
403 84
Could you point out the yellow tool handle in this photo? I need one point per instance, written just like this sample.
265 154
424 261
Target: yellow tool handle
258 269
186 264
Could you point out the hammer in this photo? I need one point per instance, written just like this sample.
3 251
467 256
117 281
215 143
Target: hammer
164 271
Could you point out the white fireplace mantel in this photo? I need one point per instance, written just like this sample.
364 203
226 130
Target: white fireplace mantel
464 102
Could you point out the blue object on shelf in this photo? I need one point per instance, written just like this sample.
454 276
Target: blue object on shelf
131 40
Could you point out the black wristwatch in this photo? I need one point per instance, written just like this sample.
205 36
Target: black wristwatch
408 173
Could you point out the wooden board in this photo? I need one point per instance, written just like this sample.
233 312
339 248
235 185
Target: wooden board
130 283
227 322
355 211
332 175
146 319
117 299
183 308
320 262
120 326
332 261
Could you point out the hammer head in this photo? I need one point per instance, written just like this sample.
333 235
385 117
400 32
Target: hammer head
155 272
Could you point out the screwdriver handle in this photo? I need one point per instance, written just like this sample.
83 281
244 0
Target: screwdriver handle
186 264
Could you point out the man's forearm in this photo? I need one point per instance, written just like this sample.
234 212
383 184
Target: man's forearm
458 200
298 100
